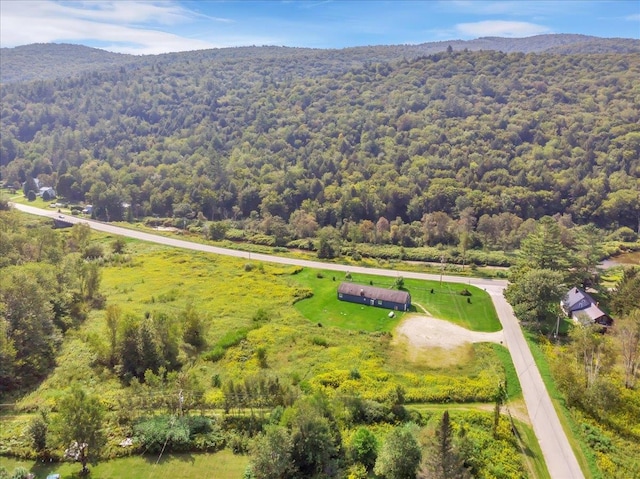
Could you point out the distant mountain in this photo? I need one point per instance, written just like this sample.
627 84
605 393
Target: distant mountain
48 61
45 61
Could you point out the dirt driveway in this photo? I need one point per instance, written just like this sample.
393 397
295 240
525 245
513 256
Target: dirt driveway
424 331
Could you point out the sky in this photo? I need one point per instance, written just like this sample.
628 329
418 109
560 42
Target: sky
153 27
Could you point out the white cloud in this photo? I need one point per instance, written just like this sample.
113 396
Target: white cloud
633 18
128 27
500 28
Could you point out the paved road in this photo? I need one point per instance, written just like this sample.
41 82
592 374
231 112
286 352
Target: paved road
559 456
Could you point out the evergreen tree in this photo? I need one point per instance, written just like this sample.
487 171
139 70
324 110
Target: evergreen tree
543 249
442 460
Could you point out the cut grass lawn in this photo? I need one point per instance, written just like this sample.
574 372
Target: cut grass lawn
445 302
221 465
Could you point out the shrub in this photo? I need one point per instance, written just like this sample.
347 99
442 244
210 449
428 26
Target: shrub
260 316
178 434
623 234
93 251
364 448
238 442
319 341
162 432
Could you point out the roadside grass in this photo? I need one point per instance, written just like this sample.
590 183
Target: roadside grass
221 465
531 450
583 454
446 302
514 391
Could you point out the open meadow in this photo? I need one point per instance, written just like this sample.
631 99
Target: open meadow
268 323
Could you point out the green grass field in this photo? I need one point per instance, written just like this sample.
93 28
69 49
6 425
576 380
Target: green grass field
444 303
220 465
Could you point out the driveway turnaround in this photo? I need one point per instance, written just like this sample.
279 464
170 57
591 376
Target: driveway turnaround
560 459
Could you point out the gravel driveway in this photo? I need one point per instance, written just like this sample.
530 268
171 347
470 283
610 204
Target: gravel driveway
425 331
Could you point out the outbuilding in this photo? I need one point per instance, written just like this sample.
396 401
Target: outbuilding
373 296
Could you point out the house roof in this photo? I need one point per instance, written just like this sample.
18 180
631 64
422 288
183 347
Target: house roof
373 292
571 301
592 312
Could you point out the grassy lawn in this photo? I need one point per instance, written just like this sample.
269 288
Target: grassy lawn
175 466
444 303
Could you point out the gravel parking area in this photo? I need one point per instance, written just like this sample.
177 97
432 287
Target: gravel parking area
425 331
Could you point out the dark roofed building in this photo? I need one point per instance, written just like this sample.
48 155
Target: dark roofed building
581 307
372 296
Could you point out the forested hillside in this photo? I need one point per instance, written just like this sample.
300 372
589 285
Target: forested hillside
314 141
49 61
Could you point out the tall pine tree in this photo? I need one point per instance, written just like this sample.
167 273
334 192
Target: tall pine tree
442 460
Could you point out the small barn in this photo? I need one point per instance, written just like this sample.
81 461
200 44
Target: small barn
580 306
373 296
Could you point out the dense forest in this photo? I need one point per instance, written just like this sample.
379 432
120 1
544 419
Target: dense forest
301 140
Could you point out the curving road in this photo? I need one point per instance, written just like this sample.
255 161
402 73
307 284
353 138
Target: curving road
560 459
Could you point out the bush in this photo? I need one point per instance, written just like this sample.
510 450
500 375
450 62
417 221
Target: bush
624 233
260 316
93 251
178 434
318 341
264 240
162 432
364 448
238 442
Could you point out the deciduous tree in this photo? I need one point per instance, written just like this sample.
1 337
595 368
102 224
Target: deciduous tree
272 455
399 457
79 426
627 332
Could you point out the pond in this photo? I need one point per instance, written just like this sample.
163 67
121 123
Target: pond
630 258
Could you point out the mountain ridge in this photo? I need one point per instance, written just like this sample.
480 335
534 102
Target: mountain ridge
45 61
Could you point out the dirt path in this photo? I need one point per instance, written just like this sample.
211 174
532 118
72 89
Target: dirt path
425 331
